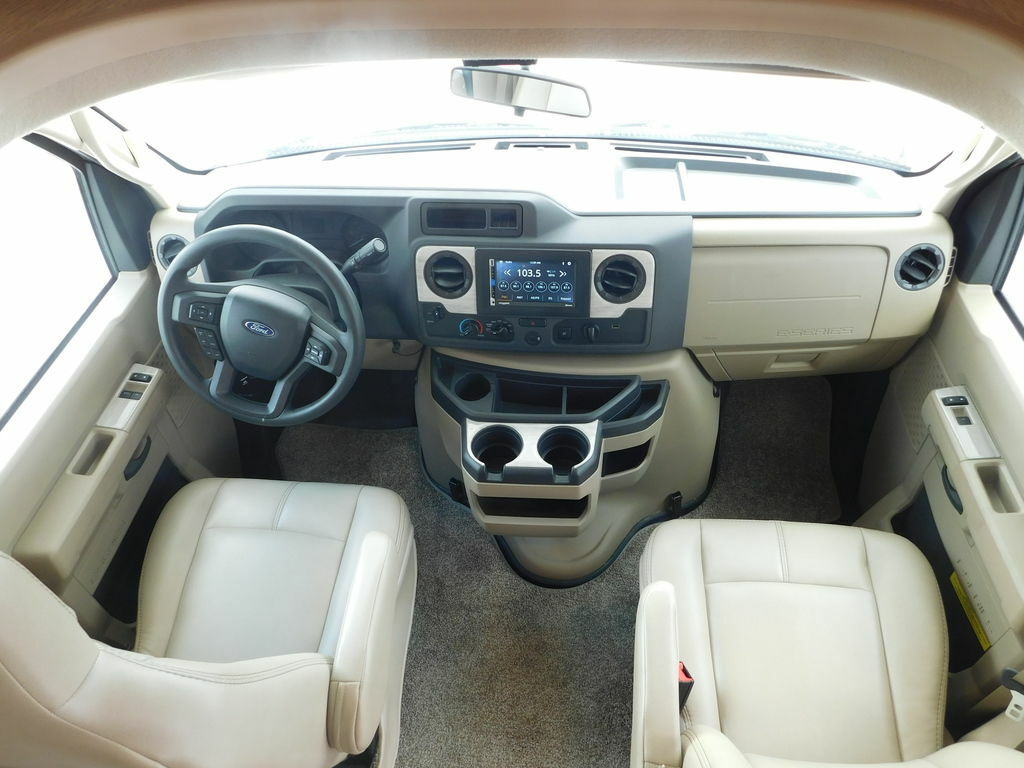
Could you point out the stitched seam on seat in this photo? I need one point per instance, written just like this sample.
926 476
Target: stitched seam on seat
271 530
341 559
53 713
707 616
247 678
188 571
282 504
885 654
698 748
783 557
85 677
786 583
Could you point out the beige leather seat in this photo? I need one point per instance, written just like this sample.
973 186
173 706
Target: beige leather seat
810 645
273 625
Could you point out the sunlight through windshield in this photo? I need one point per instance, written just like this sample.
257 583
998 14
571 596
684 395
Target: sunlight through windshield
229 119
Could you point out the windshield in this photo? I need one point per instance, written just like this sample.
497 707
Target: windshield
228 119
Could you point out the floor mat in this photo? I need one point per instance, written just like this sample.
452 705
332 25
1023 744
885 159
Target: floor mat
505 673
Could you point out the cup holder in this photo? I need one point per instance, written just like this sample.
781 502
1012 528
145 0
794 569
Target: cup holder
563 448
472 387
496 446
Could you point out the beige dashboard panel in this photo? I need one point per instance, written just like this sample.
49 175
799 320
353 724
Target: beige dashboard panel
771 295
786 297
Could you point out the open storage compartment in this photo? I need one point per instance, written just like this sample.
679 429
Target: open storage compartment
486 393
510 506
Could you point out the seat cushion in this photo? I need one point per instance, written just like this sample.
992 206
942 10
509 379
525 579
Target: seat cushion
242 569
808 642
705 748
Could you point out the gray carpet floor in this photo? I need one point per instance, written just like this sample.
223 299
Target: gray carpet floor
504 673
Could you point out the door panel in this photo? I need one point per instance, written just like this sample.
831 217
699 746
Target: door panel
971 472
74 466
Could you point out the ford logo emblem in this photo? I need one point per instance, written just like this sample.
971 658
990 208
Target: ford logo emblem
260 329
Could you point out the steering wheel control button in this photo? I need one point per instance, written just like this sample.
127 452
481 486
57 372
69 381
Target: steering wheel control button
143 378
316 352
208 342
201 312
533 338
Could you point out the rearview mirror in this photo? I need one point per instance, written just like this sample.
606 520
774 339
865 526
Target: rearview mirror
521 90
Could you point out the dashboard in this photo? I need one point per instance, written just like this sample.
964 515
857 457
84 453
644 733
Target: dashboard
630 255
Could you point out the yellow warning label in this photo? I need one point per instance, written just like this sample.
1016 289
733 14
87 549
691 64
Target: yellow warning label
972 615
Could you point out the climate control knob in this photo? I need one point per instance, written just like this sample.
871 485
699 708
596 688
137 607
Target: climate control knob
590 332
501 329
471 327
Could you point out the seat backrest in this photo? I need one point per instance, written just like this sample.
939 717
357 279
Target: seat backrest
68 700
45 656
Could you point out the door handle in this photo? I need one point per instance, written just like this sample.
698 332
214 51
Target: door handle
951 491
135 463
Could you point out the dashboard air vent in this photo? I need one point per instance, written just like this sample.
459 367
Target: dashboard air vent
541 145
620 279
168 247
448 274
919 267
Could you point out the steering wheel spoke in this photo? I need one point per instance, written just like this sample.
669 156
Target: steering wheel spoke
200 307
221 386
328 347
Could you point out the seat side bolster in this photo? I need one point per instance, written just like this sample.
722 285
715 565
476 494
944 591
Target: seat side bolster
227 710
707 748
359 673
656 739
42 646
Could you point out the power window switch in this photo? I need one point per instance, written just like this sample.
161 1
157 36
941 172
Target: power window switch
142 378
955 400
964 421
127 394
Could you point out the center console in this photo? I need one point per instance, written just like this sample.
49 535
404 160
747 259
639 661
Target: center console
562 460
534 448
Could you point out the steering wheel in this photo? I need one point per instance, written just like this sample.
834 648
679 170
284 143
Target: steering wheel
261 329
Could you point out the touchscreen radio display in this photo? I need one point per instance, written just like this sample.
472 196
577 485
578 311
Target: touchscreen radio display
539 283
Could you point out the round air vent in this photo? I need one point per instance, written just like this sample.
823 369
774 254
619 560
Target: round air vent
620 279
448 274
168 247
920 267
